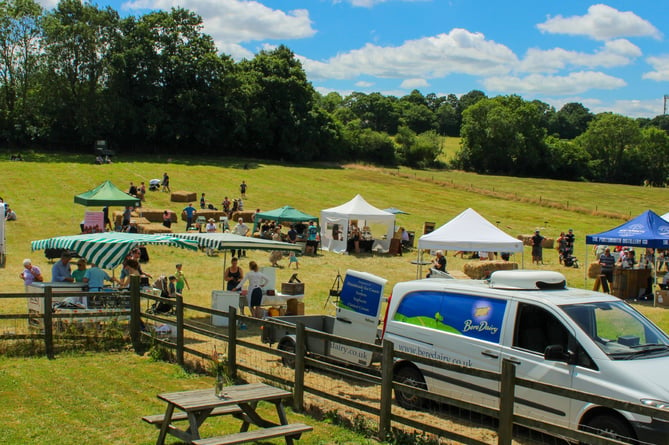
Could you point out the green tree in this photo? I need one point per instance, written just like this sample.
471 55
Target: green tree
570 121
610 139
374 111
503 135
77 42
19 64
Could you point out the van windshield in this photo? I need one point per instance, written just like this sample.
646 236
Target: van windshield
619 330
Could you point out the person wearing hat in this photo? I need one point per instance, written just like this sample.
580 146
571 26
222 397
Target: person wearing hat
537 248
181 279
60 272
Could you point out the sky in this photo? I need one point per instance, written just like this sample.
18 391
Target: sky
610 56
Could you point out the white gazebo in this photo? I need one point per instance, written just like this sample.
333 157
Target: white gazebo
336 220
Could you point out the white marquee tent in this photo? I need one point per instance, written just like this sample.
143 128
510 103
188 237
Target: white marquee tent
335 222
469 232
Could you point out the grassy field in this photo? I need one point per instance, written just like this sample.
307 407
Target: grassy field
42 188
101 398
72 395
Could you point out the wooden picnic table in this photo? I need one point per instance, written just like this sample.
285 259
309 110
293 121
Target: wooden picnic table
240 401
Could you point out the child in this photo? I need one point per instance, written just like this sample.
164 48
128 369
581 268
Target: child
293 259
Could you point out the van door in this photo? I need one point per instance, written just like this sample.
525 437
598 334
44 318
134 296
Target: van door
535 328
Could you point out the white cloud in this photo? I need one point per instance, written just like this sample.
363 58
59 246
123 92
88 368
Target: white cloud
364 84
573 83
459 51
602 22
411 84
614 53
48 4
235 21
660 65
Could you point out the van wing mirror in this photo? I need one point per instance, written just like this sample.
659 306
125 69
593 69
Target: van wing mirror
556 353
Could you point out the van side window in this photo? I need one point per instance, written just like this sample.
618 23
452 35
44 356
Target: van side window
536 329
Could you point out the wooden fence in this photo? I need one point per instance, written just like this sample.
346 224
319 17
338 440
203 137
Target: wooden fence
384 412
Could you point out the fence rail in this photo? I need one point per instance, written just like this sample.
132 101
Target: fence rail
379 376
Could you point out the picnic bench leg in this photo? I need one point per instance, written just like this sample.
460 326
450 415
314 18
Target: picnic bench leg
195 420
165 425
281 412
251 416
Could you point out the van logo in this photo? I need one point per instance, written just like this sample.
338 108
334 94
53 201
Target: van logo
481 312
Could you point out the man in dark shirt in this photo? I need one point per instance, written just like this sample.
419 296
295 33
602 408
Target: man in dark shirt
607 261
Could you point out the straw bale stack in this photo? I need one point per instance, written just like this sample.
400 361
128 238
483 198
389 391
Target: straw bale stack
117 217
156 215
477 270
182 196
153 228
246 215
547 243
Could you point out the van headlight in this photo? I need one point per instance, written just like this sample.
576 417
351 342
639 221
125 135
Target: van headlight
659 404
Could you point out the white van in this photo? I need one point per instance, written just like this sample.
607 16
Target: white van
572 338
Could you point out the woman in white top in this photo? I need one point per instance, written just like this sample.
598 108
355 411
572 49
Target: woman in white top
257 280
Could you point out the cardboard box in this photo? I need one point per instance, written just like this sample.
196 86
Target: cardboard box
662 298
292 288
294 307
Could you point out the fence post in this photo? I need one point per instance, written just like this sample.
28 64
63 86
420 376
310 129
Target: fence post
386 389
135 313
232 343
180 330
48 322
506 399
300 353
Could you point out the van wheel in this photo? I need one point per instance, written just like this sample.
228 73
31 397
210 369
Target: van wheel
411 376
288 346
610 426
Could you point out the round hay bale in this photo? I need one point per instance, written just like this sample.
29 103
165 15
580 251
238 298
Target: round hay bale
182 196
594 270
478 270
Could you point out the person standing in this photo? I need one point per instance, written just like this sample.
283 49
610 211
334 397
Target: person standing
96 277
181 279
240 229
312 238
166 183
257 280
167 219
60 272
242 189
537 248
189 212
80 273
30 274
607 261
203 202
127 214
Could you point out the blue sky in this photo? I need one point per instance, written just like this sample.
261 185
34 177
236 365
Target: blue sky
610 56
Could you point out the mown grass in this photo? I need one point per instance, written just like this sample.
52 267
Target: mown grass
101 398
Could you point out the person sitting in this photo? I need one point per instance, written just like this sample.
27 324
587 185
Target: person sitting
439 261
80 273
10 214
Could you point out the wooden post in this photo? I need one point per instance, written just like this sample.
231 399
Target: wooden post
232 343
180 330
300 353
48 322
135 313
506 400
386 390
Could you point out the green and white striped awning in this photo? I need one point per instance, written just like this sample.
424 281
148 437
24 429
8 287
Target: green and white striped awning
230 241
109 249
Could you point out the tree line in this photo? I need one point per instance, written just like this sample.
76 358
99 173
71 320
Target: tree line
155 84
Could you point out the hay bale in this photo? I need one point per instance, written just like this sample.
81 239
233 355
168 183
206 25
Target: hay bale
216 214
153 228
547 243
117 217
477 270
182 196
594 270
246 215
156 215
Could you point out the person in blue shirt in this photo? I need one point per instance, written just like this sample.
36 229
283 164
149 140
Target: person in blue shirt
312 238
61 269
96 277
189 212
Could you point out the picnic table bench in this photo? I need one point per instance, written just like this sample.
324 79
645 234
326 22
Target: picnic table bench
240 401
